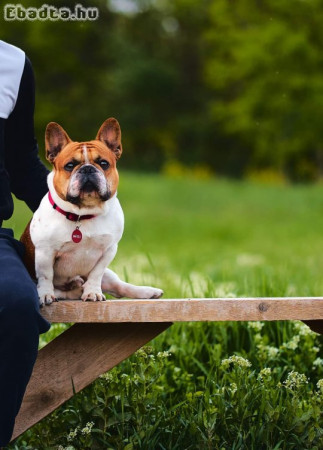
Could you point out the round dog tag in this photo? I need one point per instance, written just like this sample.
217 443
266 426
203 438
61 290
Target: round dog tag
76 235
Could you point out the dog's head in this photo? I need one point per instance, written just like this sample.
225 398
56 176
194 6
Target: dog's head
85 173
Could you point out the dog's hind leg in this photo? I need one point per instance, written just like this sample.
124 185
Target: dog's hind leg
111 284
74 294
72 289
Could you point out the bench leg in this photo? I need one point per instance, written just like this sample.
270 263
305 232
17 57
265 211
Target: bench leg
315 325
76 358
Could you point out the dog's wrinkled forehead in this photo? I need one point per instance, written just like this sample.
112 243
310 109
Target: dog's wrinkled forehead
87 153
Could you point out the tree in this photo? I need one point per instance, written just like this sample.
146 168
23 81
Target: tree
264 68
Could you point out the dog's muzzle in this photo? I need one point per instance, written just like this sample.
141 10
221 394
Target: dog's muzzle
89 178
86 180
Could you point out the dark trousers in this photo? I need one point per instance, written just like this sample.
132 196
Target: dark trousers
20 326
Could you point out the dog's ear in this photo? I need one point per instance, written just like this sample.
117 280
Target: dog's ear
110 135
56 139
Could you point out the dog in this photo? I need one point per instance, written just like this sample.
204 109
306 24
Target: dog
74 234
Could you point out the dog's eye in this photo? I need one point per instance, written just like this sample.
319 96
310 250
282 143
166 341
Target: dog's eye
69 166
104 164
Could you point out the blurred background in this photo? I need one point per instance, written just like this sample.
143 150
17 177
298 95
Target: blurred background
214 87
220 104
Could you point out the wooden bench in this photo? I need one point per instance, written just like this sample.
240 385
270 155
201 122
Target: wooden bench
106 333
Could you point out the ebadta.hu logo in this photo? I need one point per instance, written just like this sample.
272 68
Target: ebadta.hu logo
49 12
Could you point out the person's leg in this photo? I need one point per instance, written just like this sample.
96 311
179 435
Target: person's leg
20 325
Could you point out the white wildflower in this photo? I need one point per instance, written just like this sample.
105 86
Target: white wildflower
72 434
267 351
107 376
257 326
257 337
235 360
318 362
293 343
141 353
88 427
295 380
303 329
233 388
165 354
272 351
264 373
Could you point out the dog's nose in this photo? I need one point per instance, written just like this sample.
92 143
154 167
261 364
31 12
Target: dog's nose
87 168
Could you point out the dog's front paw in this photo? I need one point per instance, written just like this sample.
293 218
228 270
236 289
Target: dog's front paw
47 299
46 293
95 296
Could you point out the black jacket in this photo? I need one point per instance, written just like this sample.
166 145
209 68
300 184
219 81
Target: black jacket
21 170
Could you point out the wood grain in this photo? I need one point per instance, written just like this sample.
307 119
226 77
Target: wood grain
76 358
82 353
183 310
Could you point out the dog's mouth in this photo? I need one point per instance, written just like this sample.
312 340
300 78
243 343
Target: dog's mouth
89 186
88 189
89 192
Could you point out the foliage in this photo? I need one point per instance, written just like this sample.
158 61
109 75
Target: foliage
234 86
208 385
192 396
264 66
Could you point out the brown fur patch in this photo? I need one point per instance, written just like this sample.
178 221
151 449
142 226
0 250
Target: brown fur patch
29 258
110 134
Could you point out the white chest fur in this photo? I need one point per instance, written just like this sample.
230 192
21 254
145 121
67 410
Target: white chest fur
51 234
80 258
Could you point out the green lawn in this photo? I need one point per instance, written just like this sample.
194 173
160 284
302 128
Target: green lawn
208 238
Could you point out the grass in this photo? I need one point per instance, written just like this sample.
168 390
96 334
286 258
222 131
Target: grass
208 238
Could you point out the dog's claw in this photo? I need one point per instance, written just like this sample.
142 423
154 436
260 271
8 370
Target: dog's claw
148 292
93 297
47 299
158 294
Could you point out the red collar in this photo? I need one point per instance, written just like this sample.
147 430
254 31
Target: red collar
70 216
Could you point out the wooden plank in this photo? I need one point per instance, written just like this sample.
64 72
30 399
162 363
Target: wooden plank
76 358
216 309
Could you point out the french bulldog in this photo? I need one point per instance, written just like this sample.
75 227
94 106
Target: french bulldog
74 234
